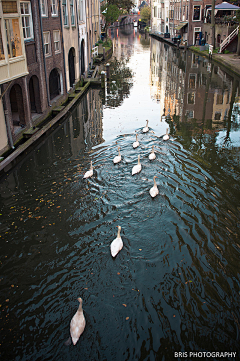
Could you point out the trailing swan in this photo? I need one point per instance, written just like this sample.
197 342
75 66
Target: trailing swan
77 325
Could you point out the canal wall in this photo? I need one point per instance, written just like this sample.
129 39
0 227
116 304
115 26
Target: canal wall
36 132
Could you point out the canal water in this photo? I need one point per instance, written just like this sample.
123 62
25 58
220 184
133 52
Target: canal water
174 287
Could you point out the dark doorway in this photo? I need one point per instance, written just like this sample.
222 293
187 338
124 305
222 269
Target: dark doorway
82 58
54 83
34 92
17 107
71 66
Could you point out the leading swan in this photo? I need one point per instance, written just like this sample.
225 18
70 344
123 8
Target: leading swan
146 129
118 157
89 173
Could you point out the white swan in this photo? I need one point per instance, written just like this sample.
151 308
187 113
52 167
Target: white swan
146 129
117 244
89 173
152 155
136 144
137 168
118 157
77 325
166 136
154 190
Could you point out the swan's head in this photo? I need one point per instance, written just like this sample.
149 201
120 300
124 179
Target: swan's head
155 177
119 228
152 147
118 148
80 300
91 165
138 156
147 122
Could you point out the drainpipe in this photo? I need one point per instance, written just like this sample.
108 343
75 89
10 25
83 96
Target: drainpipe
9 133
44 60
64 64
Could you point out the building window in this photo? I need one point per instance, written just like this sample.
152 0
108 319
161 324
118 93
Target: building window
72 13
44 7
196 12
56 39
189 114
192 81
2 56
81 14
26 20
54 11
14 44
191 98
47 45
65 12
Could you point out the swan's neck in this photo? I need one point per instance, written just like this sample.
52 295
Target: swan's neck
119 152
80 308
118 235
154 180
139 161
91 167
167 131
136 138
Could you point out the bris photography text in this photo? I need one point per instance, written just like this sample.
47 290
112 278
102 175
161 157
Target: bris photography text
205 354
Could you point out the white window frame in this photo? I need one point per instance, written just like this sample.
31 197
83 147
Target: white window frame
54 5
45 34
2 52
24 16
72 13
44 4
57 39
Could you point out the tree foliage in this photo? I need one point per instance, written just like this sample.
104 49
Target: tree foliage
122 4
145 14
110 12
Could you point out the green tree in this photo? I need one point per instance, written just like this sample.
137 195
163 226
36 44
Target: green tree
111 14
238 19
122 4
145 14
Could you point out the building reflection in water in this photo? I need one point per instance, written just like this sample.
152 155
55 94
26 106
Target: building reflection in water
189 87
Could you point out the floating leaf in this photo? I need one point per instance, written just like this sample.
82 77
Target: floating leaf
124 304
127 318
118 273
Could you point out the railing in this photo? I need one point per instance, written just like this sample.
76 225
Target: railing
95 51
228 40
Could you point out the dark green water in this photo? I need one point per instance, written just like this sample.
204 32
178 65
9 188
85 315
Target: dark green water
175 284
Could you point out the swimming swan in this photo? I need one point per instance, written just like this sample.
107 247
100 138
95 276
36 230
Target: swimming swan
117 244
77 325
118 157
152 155
154 190
137 168
89 173
166 136
146 129
136 144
